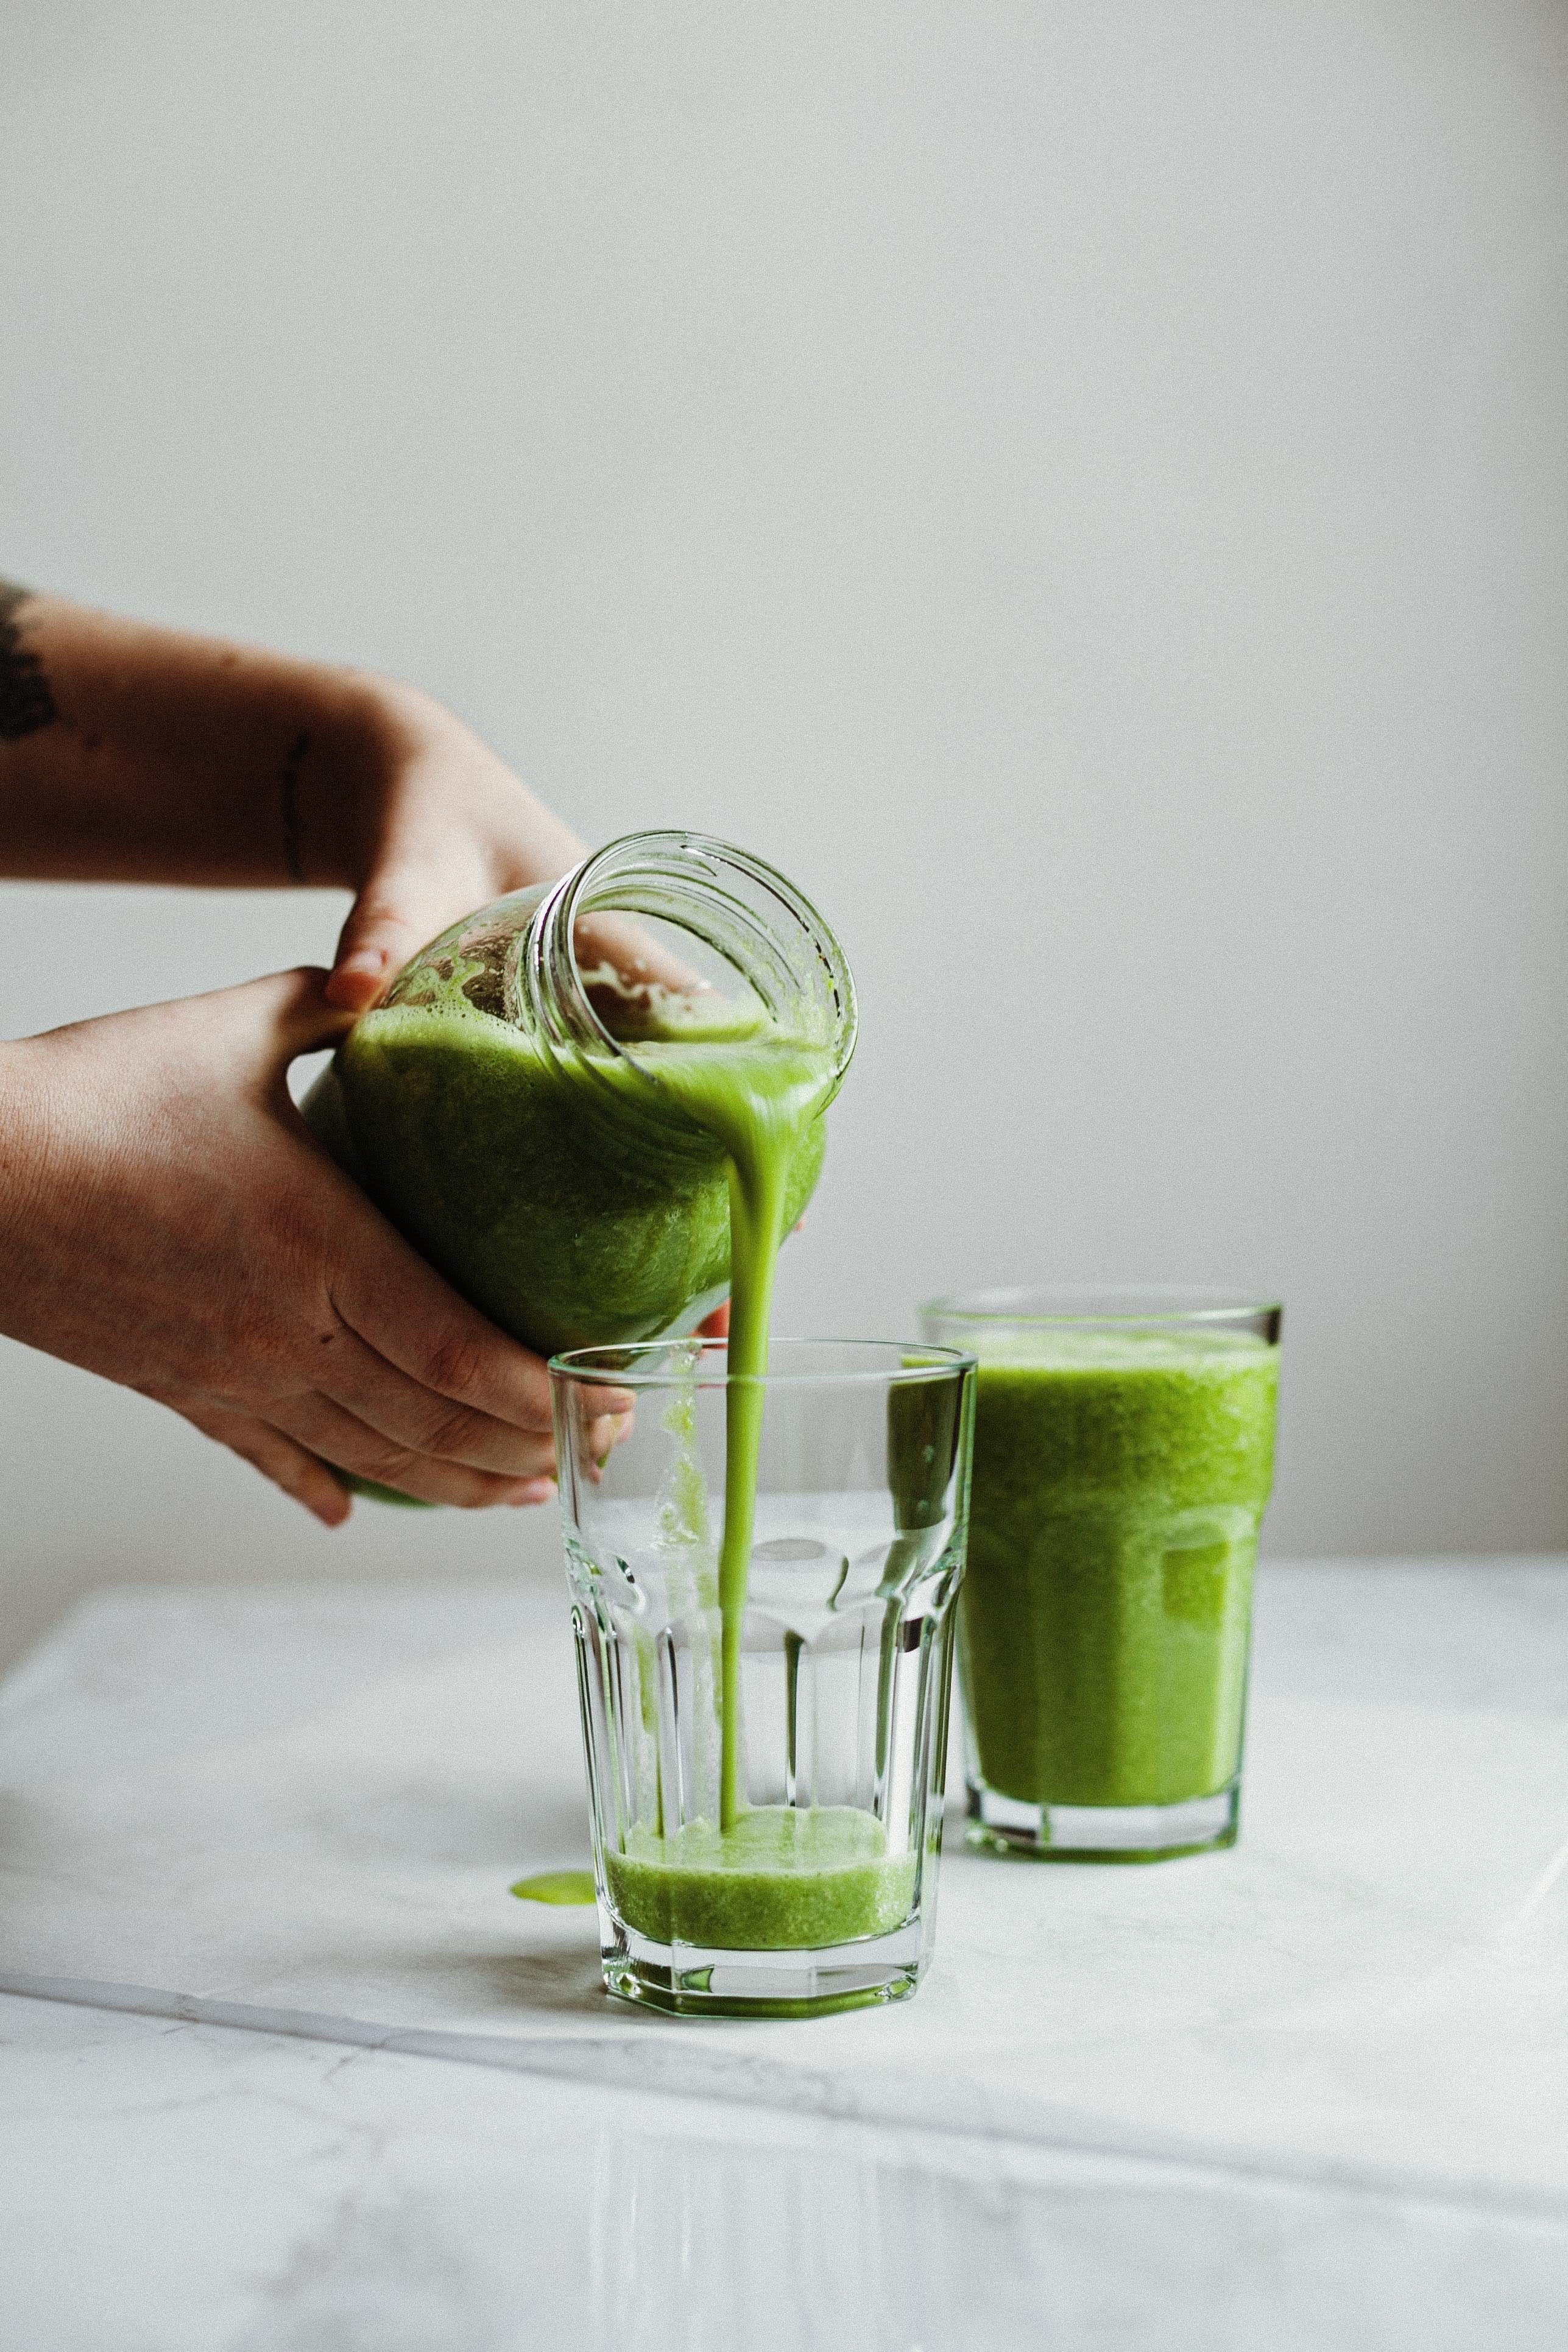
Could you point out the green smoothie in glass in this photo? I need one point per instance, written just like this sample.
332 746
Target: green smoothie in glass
1124 1457
779 1878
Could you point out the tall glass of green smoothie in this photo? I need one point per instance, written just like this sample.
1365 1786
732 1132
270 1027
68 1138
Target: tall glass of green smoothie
1124 1457
764 1662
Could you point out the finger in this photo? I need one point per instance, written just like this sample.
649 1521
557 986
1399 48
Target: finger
294 1015
252 1032
354 1376
401 1307
717 1325
303 1017
399 910
277 1457
281 1016
600 1440
326 1428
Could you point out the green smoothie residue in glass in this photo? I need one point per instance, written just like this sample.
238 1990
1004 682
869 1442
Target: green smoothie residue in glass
780 1878
1119 1484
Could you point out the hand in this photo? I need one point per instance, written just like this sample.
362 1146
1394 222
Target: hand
167 1221
443 826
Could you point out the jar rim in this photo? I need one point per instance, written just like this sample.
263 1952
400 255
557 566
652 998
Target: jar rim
649 873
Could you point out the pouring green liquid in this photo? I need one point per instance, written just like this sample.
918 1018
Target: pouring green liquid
569 1229
770 1877
594 1151
758 1099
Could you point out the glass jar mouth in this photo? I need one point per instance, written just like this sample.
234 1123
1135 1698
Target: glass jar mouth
739 907
1105 1303
691 1363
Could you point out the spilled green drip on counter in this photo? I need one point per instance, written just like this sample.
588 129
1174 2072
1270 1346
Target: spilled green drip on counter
565 1886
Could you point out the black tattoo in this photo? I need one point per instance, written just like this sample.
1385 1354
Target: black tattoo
26 702
293 851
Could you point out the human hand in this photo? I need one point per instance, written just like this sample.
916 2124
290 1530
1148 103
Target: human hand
167 1221
442 827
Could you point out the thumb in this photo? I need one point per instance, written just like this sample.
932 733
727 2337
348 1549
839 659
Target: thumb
265 1024
392 920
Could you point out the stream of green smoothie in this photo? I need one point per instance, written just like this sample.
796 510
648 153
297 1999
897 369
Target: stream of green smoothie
758 1098
1118 1483
775 1876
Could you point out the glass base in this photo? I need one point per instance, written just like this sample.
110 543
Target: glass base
1005 1825
685 1980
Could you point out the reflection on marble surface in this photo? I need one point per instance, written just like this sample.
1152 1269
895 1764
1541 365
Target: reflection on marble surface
193 2190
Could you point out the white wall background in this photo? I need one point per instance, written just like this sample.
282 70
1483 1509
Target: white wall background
1081 486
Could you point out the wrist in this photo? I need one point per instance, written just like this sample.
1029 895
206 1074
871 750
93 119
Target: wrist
339 781
24 1134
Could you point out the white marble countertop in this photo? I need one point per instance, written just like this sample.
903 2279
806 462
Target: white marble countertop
283 2065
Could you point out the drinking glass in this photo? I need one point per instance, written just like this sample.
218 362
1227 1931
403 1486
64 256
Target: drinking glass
765 1765
1123 1455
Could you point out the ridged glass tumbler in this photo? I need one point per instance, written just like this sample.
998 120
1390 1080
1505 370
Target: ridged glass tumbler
766 1751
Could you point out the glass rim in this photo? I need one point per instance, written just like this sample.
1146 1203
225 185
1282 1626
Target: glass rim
579 1365
1125 1302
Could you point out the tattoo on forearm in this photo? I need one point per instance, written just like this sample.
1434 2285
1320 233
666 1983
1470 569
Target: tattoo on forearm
293 847
26 702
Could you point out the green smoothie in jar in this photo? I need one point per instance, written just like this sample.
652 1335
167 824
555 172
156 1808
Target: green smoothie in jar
527 1105
1124 1457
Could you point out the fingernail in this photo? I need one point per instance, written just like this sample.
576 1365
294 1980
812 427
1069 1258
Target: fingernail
605 1433
536 1490
619 1402
364 959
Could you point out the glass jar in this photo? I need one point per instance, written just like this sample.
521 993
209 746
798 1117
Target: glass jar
504 1107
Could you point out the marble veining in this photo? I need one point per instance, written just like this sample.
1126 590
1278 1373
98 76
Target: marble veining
254 1848
196 2188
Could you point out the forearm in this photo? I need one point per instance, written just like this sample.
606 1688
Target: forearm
131 754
